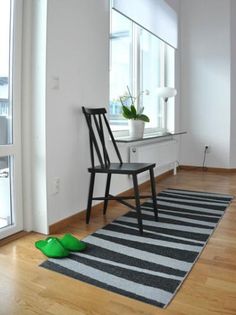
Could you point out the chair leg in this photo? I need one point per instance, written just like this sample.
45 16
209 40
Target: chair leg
107 193
137 200
153 187
90 196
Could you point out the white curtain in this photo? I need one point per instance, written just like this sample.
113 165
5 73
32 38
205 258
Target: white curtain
154 15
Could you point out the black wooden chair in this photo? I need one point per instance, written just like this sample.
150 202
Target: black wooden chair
97 123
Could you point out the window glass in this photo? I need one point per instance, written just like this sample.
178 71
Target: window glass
151 76
5 192
5 73
120 65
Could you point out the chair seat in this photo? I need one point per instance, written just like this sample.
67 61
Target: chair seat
125 168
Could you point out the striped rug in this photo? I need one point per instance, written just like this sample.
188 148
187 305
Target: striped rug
152 267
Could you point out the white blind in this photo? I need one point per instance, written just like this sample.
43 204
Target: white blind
154 15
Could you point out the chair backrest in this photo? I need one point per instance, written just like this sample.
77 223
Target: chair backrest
97 124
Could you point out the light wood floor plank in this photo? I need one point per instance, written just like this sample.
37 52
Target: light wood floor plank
210 288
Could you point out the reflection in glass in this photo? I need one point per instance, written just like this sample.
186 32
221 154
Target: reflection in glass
5 192
121 65
153 72
5 73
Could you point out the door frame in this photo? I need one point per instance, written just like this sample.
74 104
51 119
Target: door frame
15 149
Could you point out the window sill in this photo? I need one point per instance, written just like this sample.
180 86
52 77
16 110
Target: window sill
149 137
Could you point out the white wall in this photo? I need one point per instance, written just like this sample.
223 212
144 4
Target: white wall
174 4
78 56
205 85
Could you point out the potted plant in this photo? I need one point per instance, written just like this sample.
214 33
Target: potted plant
135 116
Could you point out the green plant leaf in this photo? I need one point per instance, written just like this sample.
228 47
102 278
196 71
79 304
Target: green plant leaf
143 118
128 109
126 112
133 111
125 116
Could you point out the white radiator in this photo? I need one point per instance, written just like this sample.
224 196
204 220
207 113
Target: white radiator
163 153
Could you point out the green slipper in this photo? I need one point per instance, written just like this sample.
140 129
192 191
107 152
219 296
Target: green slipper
52 247
71 243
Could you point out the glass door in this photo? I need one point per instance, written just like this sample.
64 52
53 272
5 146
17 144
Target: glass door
11 220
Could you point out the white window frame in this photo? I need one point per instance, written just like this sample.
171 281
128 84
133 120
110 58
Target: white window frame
14 149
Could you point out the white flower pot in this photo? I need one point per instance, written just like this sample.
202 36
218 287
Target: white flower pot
136 128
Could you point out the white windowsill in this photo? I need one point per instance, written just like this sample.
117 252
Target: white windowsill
149 137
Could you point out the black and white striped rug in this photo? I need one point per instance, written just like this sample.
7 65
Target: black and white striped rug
152 267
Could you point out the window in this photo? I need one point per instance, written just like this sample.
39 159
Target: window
142 61
5 73
10 153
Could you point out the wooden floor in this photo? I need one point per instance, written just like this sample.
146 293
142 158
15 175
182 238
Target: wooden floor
209 289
